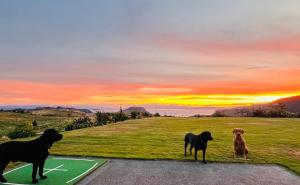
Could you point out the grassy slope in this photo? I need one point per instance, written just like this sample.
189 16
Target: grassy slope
58 119
269 140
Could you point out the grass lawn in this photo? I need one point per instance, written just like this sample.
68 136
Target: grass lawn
275 141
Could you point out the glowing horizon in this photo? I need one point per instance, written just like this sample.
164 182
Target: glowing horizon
63 95
193 54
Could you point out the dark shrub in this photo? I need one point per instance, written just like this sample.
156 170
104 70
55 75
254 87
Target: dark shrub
34 123
278 111
22 132
146 114
19 111
157 115
102 118
79 123
259 113
119 116
277 114
218 114
134 115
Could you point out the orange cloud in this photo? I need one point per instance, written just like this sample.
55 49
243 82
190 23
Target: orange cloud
222 94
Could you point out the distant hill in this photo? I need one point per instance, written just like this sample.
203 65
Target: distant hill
62 109
13 107
290 104
55 111
44 110
135 109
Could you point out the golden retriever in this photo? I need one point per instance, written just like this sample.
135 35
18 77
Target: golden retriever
239 143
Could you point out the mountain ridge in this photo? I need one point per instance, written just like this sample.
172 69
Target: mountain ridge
289 104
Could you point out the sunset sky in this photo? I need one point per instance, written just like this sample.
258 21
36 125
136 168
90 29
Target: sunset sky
149 52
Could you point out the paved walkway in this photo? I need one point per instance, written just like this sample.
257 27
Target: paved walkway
139 172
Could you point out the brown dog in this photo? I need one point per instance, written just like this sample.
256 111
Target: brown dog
239 143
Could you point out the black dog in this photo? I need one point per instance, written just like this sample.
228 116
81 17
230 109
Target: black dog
199 142
35 152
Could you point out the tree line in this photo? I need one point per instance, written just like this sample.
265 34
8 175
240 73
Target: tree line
273 111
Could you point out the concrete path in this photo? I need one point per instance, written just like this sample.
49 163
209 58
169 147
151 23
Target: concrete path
139 172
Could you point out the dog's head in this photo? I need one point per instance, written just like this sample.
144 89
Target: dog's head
206 135
50 136
238 132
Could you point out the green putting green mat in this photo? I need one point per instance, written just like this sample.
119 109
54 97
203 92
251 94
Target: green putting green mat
60 171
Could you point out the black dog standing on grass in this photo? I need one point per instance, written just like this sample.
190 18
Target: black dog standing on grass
199 142
35 152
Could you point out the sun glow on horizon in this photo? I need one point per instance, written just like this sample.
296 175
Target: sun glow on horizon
59 94
220 100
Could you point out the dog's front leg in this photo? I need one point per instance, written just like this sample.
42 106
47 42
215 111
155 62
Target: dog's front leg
203 156
244 154
3 164
196 151
185 145
34 170
41 170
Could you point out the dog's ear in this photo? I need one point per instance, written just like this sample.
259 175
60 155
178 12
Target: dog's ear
236 130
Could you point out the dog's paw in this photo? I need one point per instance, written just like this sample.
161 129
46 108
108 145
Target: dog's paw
204 162
34 181
43 177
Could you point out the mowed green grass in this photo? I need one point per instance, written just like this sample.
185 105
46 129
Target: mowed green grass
275 141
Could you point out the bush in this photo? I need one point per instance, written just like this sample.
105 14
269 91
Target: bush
218 114
19 111
34 123
79 123
157 115
103 118
22 132
276 114
290 115
259 113
146 114
119 116
134 114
